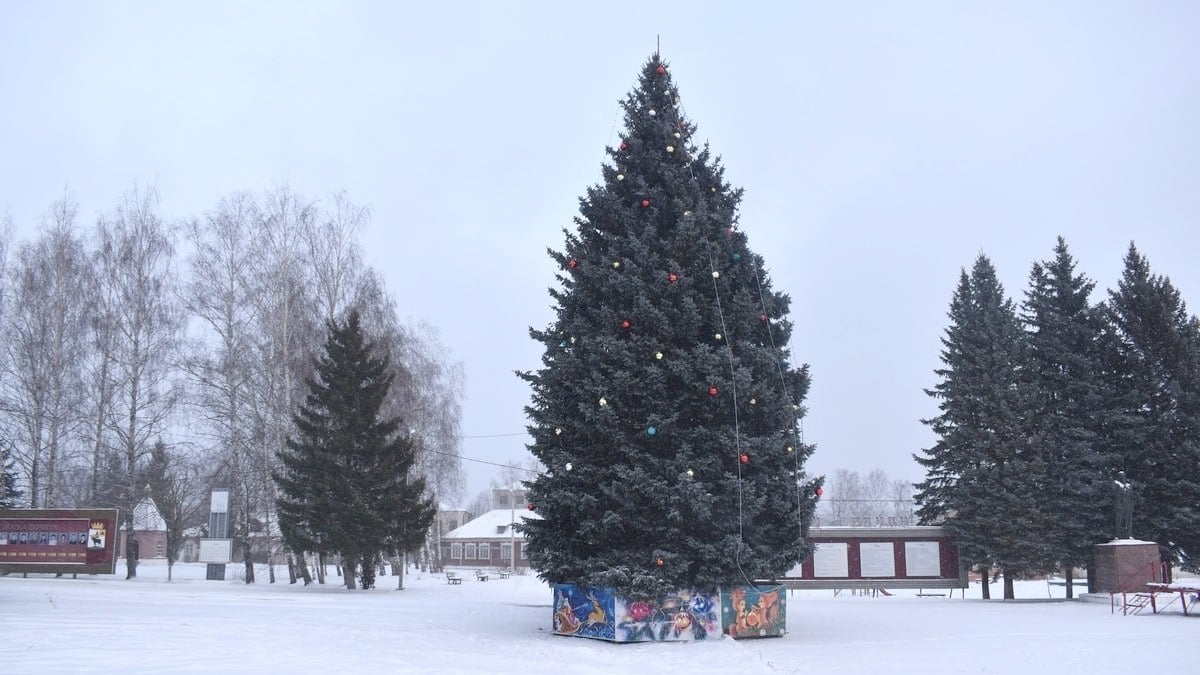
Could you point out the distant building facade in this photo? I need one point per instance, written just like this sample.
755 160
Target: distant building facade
490 541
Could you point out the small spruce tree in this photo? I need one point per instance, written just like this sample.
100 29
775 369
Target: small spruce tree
666 409
8 478
346 483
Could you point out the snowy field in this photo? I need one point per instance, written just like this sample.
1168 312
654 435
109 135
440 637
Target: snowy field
105 624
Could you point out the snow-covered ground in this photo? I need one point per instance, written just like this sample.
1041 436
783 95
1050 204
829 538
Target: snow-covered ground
105 624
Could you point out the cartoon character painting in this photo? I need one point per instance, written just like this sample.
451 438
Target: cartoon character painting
755 611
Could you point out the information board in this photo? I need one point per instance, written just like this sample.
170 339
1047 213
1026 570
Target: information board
58 540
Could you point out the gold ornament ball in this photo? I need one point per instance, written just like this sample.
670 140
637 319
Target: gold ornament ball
789 448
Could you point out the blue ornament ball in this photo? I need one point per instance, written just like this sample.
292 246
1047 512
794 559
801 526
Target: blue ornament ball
650 431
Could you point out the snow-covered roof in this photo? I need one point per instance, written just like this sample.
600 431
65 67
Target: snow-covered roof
495 524
147 518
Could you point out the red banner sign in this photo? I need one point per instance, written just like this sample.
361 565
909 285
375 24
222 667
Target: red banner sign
58 540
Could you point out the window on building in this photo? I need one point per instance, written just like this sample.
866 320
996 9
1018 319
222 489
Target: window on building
470 551
506 551
485 552
456 551
524 553
160 549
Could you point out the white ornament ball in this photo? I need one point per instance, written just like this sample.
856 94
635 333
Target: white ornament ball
687 213
717 336
616 264
568 467
658 355
690 473
670 148
716 275
620 176
652 113
678 135
603 402
558 431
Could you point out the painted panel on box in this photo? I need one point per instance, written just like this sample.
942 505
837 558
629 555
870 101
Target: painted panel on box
584 611
751 612
681 616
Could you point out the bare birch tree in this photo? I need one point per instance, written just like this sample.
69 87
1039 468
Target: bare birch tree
135 256
44 342
288 334
219 295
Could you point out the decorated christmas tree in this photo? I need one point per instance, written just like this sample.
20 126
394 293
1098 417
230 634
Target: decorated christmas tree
666 411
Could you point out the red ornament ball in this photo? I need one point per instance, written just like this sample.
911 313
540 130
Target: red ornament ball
712 391
624 146
659 562
531 506
625 324
640 610
661 70
672 277
820 490
744 458
762 317
645 203
572 263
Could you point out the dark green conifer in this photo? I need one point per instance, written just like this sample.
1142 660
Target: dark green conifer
345 485
666 410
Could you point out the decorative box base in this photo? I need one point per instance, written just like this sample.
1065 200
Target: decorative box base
603 614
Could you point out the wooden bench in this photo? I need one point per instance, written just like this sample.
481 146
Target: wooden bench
480 575
452 578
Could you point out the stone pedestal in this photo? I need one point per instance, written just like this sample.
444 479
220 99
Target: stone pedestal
1125 565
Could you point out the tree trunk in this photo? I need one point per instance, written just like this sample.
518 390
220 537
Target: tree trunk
348 563
247 560
302 562
321 568
1008 586
985 579
1069 574
291 563
131 549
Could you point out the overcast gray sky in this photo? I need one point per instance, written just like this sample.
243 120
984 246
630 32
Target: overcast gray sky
882 146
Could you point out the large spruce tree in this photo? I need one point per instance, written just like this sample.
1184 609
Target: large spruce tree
1067 411
983 474
666 408
1156 380
345 485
